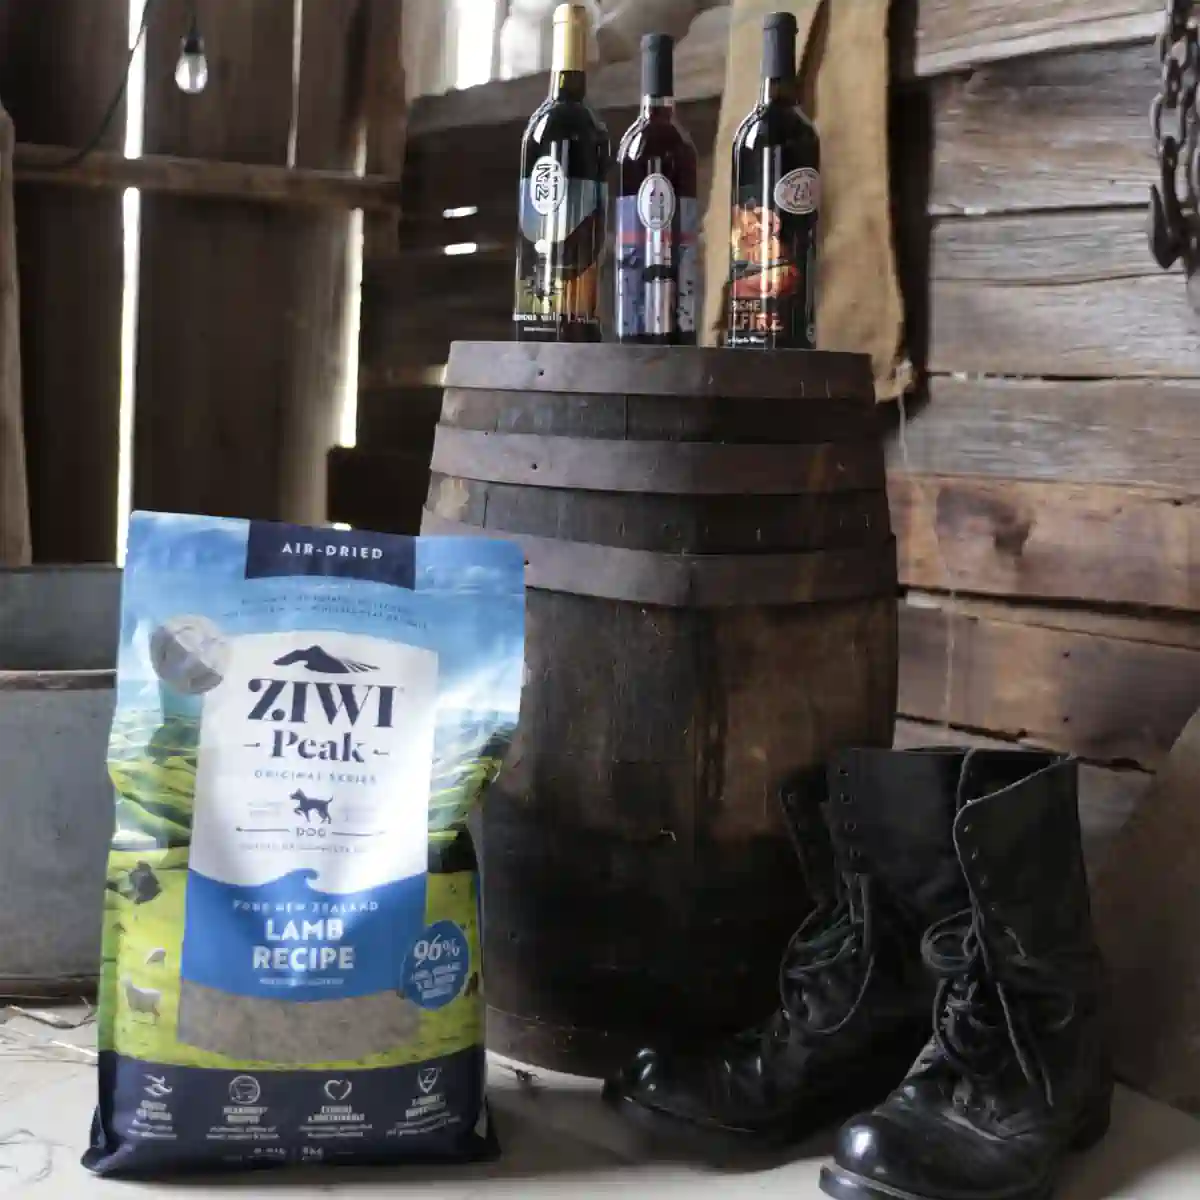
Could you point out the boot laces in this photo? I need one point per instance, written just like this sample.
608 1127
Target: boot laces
989 1003
832 941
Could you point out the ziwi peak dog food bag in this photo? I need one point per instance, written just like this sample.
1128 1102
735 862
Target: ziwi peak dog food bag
291 968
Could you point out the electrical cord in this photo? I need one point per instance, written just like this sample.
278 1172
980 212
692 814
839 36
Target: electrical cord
74 159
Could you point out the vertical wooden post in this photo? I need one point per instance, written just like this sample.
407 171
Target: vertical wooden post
61 62
329 130
15 545
216 276
386 114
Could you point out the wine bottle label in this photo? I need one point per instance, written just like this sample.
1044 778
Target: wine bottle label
773 247
547 186
562 225
657 253
656 202
799 191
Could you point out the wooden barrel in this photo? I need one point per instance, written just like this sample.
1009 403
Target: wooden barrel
712 605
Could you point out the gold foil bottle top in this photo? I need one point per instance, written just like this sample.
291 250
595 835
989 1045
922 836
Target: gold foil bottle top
570 38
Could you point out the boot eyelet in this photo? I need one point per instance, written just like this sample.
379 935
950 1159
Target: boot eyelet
983 881
844 797
843 773
974 855
851 826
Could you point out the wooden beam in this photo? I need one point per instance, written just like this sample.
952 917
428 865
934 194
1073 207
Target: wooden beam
1009 537
168 175
932 37
1063 130
217 285
59 61
1141 433
953 35
1107 699
1060 294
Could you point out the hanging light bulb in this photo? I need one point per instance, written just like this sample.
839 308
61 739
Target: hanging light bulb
191 72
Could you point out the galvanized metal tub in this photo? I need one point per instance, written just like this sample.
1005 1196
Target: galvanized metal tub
58 647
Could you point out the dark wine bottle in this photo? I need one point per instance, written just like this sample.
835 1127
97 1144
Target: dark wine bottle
657 219
563 203
776 197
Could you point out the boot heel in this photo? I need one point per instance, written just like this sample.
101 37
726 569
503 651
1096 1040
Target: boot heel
1092 1127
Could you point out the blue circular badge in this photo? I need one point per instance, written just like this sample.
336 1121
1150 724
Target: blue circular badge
435 967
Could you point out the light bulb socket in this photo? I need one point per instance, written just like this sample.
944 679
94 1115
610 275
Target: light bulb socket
192 45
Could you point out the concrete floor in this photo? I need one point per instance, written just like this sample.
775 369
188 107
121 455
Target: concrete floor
559 1141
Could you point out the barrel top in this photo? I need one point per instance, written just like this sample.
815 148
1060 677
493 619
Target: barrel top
566 367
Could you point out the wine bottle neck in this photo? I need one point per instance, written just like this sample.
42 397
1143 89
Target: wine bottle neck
568 85
660 107
779 58
781 90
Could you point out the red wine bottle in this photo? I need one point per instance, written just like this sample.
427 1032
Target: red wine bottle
657 217
776 197
563 200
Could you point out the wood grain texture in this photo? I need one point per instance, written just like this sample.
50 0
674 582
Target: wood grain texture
1062 294
16 544
1047 132
1141 433
953 34
686 581
639 795
216 276
1109 545
930 37
1106 699
59 60
1158 628
328 128
162 173
385 108
675 468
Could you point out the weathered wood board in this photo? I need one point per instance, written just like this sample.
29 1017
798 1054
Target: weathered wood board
1054 131
1144 433
953 34
59 60
211 382
1061 541
931 37
1059 294
1105 698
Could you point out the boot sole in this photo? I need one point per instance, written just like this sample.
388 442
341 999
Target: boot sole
724 1147
846 1185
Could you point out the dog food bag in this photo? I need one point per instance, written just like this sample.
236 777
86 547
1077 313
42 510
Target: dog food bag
291 968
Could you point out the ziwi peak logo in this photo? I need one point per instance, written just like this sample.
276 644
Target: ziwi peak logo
320 662
321 720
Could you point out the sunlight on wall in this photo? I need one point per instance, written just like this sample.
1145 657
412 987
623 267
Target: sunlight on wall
475 22
131 212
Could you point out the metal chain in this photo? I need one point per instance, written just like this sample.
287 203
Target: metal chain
1175 125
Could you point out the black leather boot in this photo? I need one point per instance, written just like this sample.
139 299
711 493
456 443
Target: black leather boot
1017 1072
874 834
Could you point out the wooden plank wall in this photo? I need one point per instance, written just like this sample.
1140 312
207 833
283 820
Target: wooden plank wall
245 252
60 61
1046 485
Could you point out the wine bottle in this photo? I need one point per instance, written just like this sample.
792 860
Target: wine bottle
563 203
776 197
657 220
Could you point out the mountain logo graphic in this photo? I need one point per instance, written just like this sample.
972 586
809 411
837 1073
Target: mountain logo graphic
321 662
